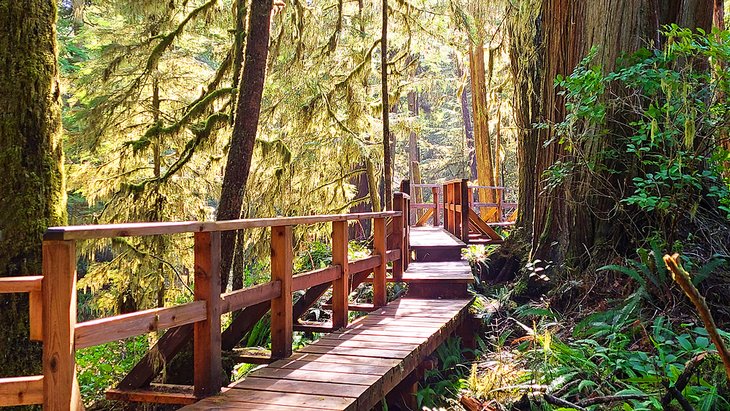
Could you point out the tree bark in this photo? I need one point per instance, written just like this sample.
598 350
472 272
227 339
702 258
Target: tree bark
569 223
245 125
414 156
466 118
32 190
482 141
387 157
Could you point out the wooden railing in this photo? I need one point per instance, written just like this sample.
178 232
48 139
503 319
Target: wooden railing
456 208
53 296
434 208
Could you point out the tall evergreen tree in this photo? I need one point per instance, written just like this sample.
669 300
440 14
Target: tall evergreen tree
33 191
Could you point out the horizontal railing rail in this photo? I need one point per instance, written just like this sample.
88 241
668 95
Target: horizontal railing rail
499 210
53 295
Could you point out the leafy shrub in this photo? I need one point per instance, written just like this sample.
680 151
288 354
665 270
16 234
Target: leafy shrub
658 119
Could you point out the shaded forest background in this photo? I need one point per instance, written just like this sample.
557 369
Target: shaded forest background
609 121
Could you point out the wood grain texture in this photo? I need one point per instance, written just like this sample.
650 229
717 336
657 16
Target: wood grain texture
281 307
250 296
24 284
119 327
21 391
207 334
60 387
380 248
35 309
341 286
316 277
395 241
85 232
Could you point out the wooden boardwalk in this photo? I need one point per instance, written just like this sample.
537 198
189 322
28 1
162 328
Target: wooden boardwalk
355 367
351 369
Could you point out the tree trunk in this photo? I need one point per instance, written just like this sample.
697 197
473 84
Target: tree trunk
482 142
568 224
245 125
362 190
32 190
414 156
466 118
387 157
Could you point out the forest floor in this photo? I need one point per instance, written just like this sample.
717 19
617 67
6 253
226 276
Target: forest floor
613 348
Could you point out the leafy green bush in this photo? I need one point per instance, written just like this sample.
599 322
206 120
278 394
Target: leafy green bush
103 366
658 120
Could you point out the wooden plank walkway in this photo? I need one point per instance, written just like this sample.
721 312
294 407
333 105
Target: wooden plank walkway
435 244
350 369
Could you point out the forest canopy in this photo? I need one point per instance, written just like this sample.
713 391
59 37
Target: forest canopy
594 137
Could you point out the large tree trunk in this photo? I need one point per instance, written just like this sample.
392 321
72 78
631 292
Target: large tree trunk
245 125
568 224
482 141
32 191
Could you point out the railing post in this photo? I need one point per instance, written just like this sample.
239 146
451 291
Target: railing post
60 387
207 334
341 286
445 194
397 239
406 232
435 195
464 214
380 293
281 308
500 210
458 207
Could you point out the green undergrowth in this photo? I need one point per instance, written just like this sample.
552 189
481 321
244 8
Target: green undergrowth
624 348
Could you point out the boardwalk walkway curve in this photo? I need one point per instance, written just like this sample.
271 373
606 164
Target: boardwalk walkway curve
353 366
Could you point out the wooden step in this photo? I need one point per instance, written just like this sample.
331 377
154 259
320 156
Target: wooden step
314 327
432 244
446 280
155 394
252 355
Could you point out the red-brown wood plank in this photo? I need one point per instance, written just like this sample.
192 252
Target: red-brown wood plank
306 365
352 368
317 376
301 387
270 398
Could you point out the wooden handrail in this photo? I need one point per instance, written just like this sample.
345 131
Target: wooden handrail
21 390
25 284
54 294
316 277
87 232
119 327
235 300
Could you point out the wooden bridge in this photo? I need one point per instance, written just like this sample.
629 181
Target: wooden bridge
354 366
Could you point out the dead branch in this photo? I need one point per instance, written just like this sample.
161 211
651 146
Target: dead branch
561 402
682 381
682 278
611 398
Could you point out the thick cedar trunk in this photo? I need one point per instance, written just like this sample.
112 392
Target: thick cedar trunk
570 221
33 192
245 126
482 142
387 158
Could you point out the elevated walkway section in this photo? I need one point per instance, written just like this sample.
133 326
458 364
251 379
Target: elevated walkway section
350 369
